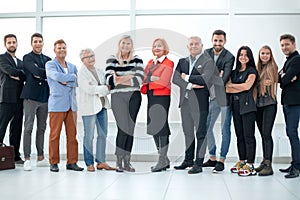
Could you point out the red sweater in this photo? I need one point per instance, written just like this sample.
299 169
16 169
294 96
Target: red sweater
164 71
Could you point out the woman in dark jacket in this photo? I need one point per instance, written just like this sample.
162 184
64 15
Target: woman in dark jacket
242 88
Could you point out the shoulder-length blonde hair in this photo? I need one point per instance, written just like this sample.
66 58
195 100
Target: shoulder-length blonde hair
269 71
119 53
164 44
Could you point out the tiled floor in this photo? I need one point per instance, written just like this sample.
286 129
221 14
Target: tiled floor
41 184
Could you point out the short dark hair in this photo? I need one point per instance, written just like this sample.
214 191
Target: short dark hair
9 36
36 35
289 37
219 32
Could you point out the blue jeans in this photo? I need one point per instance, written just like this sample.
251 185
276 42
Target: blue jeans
101 121
291 116
214 111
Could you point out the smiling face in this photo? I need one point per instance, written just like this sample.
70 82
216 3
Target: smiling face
37 45
158 49
194 46
287 46
60 50
125 46
243 57
264 55
88 59
218 42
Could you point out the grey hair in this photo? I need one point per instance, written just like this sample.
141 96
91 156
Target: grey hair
83 51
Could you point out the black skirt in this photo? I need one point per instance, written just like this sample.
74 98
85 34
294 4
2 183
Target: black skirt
157 114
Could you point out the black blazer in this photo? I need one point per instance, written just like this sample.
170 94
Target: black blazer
10 89
290 90
204 73
36 87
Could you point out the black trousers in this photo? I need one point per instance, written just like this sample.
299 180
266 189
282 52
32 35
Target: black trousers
265 118
12 113
244 126
125 107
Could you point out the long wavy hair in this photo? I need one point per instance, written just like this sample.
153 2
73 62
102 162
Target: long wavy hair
119 53
266 71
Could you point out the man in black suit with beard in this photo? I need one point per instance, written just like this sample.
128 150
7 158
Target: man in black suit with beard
11 106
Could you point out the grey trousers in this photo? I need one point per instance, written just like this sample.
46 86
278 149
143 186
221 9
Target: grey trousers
40 110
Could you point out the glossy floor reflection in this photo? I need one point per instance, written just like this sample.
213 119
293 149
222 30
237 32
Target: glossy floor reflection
40 183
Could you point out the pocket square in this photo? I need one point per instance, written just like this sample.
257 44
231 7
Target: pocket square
199 66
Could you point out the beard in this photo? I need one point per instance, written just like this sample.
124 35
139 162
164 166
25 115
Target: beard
12 50
218 49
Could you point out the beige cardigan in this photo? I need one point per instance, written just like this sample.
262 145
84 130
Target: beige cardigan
90 92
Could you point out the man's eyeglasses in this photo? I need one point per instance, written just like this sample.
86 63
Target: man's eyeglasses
89 57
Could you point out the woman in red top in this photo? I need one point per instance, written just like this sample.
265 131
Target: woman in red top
157 86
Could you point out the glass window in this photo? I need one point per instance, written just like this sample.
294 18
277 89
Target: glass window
179 4
18 6
16 26
82 32
59 5
188 25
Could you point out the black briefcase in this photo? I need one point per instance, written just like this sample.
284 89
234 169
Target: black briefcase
7 157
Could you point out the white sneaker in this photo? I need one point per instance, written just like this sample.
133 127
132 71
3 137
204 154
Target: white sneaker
43 163
27 165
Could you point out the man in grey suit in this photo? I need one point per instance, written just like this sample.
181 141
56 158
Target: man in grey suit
196 75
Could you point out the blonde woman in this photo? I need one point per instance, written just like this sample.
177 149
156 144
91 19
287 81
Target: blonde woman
124 74
266 106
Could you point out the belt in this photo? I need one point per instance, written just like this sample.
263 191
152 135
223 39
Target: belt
236 98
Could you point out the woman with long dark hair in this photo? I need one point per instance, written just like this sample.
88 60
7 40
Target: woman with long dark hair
242 88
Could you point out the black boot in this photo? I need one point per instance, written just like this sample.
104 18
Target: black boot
127 166
119 167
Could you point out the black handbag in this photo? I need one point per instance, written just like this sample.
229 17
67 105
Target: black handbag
7 157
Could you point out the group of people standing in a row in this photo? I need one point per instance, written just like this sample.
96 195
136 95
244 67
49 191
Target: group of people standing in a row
208 86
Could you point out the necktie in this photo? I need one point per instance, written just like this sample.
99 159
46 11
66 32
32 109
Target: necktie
193 59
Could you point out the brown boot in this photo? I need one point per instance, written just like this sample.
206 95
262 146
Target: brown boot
261 166
267 170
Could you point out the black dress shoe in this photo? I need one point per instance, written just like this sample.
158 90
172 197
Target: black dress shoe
54 168
287 170
293 173
74 167
195 169
184 165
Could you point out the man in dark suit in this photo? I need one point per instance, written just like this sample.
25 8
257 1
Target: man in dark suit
35 94
195 75
11 83
290 99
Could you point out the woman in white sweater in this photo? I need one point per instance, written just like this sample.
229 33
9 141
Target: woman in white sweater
93 105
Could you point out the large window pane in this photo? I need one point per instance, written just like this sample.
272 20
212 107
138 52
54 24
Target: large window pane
59 5
201 25
16 26
18 6
82 32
